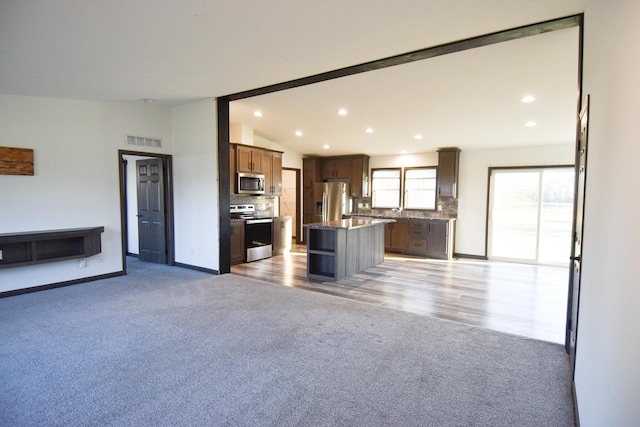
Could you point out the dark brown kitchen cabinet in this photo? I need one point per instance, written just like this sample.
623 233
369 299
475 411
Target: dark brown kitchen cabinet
310 167
360 176
430 238
272 170
439 240
243 158
396 236
282 235
448 160
249 159
335 168
237 242
352 169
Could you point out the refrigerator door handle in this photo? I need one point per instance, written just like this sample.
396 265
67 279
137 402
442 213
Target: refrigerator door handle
325 214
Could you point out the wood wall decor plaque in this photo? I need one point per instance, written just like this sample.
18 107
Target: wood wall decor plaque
16 161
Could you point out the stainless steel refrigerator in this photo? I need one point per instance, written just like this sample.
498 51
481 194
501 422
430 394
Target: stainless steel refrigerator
332 200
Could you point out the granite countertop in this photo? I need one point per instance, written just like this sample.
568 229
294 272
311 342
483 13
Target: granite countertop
377 216
350 223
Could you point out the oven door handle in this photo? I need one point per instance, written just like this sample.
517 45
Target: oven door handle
259 221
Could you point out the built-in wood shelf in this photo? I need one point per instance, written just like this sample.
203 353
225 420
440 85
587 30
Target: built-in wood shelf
18 249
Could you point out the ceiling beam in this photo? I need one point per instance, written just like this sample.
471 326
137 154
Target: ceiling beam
419 55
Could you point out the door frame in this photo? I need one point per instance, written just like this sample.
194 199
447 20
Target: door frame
167 161
489 200
575 276
222 102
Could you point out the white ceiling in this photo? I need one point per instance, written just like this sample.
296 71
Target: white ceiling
176 51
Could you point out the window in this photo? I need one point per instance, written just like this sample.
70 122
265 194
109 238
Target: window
420 188
385 186
531 215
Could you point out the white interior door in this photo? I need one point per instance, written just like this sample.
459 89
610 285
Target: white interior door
530 215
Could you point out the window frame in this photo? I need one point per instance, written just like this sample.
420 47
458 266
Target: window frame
400 188
404 186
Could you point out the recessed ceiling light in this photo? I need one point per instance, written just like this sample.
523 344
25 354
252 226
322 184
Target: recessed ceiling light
530 124
326 146
404 152
298 133
368 130
528 98
417 136
257 113
149 100
342 112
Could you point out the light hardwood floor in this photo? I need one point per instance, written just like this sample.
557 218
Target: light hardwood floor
521 299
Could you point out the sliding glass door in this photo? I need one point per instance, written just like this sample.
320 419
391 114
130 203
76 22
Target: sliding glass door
530 215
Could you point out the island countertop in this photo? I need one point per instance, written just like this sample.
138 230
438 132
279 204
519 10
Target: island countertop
350 223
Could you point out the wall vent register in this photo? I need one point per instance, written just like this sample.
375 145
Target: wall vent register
144 141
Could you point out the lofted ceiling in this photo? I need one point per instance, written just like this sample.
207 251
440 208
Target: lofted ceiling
177 51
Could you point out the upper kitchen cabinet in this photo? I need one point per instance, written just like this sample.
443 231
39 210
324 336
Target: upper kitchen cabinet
353 169
272 170
448 160
249 159
244 158
335 168
360 176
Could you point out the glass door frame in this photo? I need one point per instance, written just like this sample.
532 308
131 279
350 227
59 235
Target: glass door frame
490 194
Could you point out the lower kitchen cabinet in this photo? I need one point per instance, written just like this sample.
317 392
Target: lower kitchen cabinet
430 238
396 236
440 240
282 234
237 242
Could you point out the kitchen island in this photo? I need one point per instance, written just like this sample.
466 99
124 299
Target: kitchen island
336 249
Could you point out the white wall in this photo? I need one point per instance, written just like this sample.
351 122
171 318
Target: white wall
607 376
195 172
76 181
473 182
290 158
404 160
473 185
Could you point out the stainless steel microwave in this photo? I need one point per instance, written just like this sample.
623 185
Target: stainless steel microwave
250 183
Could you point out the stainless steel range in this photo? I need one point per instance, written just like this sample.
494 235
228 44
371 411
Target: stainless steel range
258 231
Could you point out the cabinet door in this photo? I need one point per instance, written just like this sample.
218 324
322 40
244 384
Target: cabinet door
249 159
277 236
438 240
448 172
267 170
357 177
233 169
276 174
400 236
342 169
309 169
243 158
327 169
388 229
257 161
237 242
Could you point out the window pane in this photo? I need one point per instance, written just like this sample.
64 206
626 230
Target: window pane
385 184
515 215
556 215
420 188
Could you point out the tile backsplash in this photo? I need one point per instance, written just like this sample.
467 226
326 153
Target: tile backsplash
265 205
